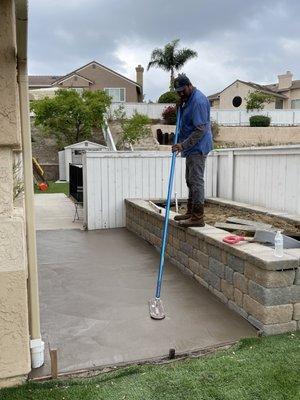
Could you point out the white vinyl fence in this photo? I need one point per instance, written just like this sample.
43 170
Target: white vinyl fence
110 178
223 117
268 177
153 110
241 117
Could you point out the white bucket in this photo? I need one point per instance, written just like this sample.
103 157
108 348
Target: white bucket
37 347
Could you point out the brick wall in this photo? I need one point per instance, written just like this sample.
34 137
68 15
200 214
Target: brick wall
248 278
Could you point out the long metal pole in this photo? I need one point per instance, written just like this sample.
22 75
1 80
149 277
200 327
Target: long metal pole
167 213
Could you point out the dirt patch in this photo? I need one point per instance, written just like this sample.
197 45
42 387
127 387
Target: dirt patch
219 213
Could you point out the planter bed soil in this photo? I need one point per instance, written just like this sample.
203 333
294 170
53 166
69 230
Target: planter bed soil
219 213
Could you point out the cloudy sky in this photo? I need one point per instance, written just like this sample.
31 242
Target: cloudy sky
253 41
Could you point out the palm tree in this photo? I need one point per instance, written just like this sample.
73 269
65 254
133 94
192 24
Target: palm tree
170 59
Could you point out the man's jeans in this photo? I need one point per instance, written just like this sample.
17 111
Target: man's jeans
194 176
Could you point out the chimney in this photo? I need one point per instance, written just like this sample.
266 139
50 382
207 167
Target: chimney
285 80
139 75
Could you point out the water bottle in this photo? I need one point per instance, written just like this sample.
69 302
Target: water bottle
278 245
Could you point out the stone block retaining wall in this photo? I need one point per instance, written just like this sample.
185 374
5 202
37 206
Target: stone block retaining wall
247 277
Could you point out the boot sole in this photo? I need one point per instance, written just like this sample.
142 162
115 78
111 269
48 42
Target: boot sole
192 225
181 218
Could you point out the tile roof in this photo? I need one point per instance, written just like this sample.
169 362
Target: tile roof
274 86
42 80
264 89
214 96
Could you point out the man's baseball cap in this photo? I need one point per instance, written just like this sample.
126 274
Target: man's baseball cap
180 82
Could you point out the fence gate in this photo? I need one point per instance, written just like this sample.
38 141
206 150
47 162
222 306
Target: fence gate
76 182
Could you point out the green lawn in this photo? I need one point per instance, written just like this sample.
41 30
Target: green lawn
55 188
255 369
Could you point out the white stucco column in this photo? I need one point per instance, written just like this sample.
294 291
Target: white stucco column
36 344
14 332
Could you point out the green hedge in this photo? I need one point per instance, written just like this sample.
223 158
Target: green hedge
168 97
260 120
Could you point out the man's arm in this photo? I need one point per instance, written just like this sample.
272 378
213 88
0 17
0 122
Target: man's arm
193 138
190 141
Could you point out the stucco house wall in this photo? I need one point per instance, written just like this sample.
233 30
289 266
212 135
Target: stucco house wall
14 331
293 95
106 79
238 89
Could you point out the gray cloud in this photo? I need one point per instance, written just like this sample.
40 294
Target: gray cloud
248 40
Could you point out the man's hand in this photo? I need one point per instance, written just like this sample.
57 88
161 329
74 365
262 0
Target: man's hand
177 148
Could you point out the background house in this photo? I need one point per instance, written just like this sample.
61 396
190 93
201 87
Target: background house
286 94
94 76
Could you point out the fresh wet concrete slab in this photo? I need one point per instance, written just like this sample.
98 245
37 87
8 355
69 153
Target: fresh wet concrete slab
56 211
94 292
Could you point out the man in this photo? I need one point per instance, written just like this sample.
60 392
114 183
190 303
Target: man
194 143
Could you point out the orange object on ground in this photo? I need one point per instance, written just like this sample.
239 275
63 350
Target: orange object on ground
43 186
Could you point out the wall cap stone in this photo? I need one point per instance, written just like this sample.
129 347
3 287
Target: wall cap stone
259 255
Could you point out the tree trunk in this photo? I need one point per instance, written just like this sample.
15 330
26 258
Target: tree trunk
77 132
172 80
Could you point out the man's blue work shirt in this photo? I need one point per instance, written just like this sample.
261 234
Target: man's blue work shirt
196 112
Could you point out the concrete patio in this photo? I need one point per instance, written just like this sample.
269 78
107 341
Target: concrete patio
55 211
94 290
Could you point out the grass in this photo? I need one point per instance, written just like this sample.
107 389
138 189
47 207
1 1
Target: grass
54 188
255 369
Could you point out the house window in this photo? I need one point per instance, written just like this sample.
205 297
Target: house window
78 89
279 104
237 101
296 103
117 94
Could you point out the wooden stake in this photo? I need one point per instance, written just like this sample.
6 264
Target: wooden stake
54 369
171 354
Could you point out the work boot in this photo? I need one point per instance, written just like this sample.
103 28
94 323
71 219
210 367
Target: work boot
188 213
196 219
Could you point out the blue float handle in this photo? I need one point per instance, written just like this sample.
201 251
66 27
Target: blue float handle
167 212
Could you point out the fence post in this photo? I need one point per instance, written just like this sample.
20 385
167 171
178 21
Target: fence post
215 175
293 118
230 169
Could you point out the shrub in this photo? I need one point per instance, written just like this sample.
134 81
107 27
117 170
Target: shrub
169 115
119 114
260 120
136 128
168 97
256 100
18 188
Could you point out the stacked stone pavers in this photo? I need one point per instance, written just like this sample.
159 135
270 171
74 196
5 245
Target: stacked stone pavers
247 277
